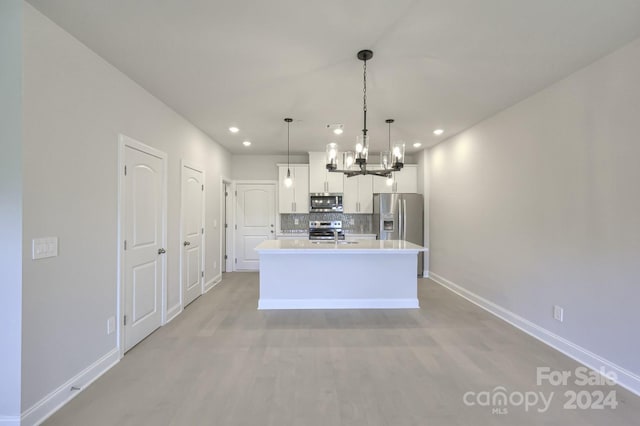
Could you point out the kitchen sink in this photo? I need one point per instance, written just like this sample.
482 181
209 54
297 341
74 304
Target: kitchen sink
333 242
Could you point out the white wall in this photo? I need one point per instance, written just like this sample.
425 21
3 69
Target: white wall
261 167
539 205
10 207
75 105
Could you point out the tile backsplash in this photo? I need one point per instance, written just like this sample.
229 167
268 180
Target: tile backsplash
356 223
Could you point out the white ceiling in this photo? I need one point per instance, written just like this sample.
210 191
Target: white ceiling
437 63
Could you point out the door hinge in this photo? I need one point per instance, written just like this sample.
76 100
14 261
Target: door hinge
203 187
125 320
202 274
236 227
225 257
236 193
236 260
226 194
203 230
125 244
125 170
226 225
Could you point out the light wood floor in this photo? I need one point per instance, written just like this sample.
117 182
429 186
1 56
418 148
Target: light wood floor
222 362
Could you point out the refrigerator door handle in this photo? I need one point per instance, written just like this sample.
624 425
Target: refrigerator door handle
400 219
404 220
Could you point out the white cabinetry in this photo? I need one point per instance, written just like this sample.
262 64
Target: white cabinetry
320 180
293 236
358 194
360 237
294 199
407 179
404 181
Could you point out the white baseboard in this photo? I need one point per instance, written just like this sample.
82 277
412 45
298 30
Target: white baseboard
338 304
212 282
625 378
173 312
10 420
51 403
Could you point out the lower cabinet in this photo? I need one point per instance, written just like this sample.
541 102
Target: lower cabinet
357 237
293 236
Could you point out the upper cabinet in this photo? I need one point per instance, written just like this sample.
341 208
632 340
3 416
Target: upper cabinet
294 199
404 181
320 180
358 194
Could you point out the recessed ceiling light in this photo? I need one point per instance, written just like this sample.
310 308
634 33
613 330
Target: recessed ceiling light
234 129
438 132
337 128
417 145
246 143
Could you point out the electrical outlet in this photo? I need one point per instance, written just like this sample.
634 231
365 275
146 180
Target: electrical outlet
111 325
352 221
296 221
558 313
44 247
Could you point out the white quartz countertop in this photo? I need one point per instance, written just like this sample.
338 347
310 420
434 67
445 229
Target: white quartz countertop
363 246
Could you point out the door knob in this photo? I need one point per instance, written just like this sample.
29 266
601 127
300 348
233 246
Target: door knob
161 251
272 231
186 243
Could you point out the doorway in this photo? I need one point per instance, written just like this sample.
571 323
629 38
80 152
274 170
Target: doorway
227 216
255 221
192 231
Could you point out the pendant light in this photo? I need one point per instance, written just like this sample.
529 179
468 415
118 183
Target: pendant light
385 156
393 160
288 181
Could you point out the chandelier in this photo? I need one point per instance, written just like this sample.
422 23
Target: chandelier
355 162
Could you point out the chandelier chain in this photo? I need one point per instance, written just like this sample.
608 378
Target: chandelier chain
364 89
364 97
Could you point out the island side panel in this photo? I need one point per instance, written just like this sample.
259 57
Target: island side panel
343 280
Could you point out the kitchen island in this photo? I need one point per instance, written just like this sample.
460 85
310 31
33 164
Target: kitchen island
303 274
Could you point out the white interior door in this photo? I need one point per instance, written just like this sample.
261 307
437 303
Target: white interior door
143 233
192 233
255 219
228 216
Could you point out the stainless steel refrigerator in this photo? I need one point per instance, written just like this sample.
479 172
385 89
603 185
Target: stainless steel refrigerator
400 217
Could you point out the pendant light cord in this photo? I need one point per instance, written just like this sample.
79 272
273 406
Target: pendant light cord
288 163
288 121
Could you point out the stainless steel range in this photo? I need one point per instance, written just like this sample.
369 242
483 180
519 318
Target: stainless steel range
326 230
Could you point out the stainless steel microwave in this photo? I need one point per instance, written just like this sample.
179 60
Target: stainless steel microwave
325 203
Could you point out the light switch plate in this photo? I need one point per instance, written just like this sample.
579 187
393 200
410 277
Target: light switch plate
44 247
111 325
558 313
